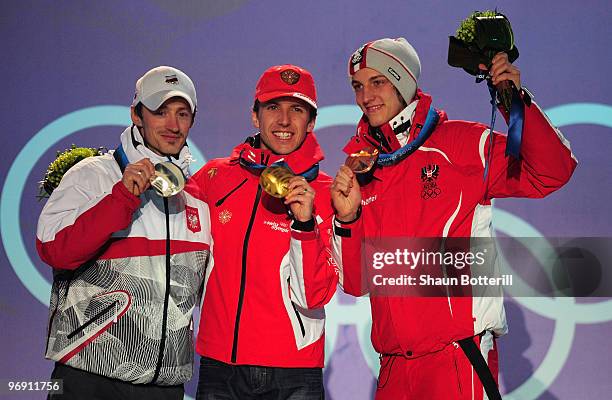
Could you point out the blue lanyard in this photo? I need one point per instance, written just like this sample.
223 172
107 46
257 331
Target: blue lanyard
398 155
121 158
310 174
515 126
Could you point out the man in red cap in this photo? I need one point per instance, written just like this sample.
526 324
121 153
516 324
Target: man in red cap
434 178
261 331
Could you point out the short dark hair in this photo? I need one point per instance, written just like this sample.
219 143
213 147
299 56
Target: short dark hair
138 111
404 103
311 110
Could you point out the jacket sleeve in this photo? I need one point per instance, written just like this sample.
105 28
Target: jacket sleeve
201 179
546 161
347 243
81 215
313 272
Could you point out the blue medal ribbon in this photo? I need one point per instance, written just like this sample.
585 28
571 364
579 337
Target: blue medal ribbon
121 158
515 122
310 174
515 126
431 121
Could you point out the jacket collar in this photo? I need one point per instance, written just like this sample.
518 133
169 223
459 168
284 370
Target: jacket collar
396 132
135 150
300 160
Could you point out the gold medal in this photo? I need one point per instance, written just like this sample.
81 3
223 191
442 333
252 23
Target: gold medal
363 161
274 180
168 179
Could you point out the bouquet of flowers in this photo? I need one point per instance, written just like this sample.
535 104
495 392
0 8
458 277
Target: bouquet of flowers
63 162
479 37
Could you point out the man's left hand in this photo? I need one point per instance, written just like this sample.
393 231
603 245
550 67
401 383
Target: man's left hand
300 199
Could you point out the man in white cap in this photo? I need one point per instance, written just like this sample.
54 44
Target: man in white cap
128 264
262 328
428 183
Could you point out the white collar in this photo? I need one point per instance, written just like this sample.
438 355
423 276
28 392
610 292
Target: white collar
135 150
407 114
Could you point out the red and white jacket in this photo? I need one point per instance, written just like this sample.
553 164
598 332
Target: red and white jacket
439 191
267 284
127 270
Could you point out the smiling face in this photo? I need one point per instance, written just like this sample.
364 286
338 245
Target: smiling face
283 124
165 130
376 96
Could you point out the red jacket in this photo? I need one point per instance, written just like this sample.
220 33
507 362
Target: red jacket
267 283
439 191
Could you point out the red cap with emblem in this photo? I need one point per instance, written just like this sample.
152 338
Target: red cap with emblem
286 81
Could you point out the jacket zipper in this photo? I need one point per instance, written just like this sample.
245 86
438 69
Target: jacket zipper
222 199
245 247
92 319
55 312
297 314
162 345
457 372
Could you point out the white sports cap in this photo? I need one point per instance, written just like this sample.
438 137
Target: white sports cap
162 83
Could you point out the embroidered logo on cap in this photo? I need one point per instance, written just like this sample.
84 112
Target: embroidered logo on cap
172 79
394 73
357 55
290 77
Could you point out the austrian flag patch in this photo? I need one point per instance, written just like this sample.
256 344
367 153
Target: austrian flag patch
193 219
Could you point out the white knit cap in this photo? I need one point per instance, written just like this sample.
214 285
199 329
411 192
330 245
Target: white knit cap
396 59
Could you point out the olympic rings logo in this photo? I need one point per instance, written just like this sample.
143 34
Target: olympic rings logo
566 312
430 190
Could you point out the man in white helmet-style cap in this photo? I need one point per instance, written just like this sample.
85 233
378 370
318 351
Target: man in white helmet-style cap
128 264
428 183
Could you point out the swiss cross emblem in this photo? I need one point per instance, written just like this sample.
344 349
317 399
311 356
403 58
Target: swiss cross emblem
193 219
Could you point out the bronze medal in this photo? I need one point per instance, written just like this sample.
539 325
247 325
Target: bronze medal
363 161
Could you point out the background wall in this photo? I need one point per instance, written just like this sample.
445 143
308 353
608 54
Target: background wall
69 70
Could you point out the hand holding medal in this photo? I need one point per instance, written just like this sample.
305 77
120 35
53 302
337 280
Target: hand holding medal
362 161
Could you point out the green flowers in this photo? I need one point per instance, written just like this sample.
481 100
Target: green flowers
467 29
63 162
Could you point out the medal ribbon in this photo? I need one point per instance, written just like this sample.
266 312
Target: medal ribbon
398 155
310 174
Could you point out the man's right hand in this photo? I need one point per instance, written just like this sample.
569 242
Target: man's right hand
345 194
136 176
